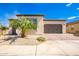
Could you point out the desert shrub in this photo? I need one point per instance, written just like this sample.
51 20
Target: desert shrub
40 39
76 33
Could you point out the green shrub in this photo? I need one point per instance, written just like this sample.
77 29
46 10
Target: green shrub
40 39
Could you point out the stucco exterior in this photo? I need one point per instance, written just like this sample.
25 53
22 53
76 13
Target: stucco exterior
57 22
72 27
40 23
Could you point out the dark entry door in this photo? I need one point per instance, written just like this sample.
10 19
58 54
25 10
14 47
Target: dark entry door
52 28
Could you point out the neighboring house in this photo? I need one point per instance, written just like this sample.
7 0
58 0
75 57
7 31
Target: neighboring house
45 26
72 27
2 32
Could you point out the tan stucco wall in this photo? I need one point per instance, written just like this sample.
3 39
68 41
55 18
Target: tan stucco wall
75 28
40 26
57 22
68 29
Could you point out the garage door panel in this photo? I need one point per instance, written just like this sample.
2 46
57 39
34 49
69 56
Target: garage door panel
52 28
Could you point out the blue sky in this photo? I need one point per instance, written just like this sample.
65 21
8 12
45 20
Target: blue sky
66 11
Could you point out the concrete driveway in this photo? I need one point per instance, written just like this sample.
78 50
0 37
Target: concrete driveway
59 47
66 45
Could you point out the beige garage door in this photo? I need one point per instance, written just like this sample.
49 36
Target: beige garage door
52 28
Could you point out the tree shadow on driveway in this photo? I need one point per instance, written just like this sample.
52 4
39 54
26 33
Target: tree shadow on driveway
10 38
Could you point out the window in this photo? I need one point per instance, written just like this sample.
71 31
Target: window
34 21
72 27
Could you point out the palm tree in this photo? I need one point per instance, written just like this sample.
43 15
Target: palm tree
24 24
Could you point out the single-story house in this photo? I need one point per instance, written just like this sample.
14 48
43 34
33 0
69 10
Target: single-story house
72 27
44 26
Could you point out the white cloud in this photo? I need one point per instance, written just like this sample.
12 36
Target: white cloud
72 17
77 8
69 4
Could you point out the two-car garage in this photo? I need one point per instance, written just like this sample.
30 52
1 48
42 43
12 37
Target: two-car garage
54 26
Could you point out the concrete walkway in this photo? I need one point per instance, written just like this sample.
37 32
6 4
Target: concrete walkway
48 48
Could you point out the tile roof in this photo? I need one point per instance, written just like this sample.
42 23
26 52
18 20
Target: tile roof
71 23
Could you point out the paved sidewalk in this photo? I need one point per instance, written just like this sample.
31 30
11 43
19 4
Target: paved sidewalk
16 50
48 48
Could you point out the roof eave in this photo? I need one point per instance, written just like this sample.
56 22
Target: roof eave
29 15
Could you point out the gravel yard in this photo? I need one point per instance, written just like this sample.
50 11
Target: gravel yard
58 45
